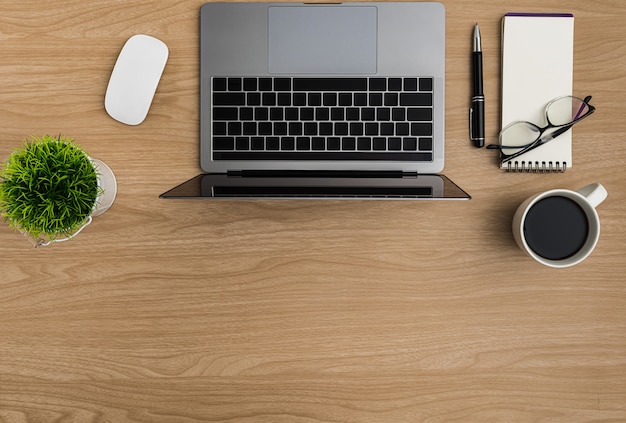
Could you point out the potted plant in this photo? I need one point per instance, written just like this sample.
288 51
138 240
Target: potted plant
50 189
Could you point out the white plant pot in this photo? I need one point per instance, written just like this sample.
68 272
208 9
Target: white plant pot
108 183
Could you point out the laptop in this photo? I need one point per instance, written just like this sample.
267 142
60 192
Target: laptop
321 101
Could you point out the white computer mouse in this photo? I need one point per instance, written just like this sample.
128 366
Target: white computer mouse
135 78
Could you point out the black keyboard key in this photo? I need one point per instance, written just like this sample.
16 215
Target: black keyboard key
379 144
282 84
272 143
371 129
249 128
299 99
265 84
360 99
394 143
345 99
303 143
409 144
330 99
391 99
318 143
341 128
265 128
416 99
295 128
257 143
337 113
363 143
280 128
330 84
292 113
225 113
310 128
246 113
410 84
398 114
284 99
402 128
261 113
426 144
268 99
421 129
419 114
426 84
326 128
378 84
242 143
219 84
254 99
356 129
249 84
219 128
234 128
223 143
229 99
383 114
287 143
307 113
234 84
315 99
395 84
322 113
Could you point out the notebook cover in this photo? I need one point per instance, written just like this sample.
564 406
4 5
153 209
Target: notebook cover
537 67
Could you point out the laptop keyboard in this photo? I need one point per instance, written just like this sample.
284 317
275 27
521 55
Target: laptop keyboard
281 118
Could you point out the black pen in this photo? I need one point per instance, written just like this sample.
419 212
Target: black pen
477 111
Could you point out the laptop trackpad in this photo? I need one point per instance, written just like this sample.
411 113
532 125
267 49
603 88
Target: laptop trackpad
322 39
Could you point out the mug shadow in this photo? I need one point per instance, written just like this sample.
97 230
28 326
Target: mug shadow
501 226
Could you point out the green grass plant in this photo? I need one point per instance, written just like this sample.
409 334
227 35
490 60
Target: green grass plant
48 187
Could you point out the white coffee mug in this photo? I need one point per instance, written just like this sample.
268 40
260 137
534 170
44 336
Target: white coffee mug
559 228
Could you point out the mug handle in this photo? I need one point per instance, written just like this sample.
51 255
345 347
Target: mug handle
594 193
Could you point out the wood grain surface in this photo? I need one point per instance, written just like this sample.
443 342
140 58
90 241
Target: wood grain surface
302 311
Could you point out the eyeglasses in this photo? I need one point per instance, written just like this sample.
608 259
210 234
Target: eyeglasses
561 114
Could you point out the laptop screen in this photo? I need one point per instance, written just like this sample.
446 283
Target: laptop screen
434 187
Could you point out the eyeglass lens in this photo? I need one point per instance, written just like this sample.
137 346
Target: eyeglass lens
519 135
566 110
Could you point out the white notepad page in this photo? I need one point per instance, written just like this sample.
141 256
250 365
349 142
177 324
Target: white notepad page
537 67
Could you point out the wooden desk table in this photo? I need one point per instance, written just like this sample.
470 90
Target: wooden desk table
302 311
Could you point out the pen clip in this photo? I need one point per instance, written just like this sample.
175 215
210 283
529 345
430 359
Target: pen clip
471 132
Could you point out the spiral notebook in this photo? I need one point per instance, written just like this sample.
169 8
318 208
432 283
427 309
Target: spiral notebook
537 67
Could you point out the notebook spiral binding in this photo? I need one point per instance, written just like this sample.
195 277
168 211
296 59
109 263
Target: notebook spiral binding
536 167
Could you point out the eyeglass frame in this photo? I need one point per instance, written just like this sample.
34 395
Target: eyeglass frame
540 141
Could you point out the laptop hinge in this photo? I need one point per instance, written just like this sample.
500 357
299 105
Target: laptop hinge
321 174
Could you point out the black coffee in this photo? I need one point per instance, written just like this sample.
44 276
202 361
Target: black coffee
556 228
